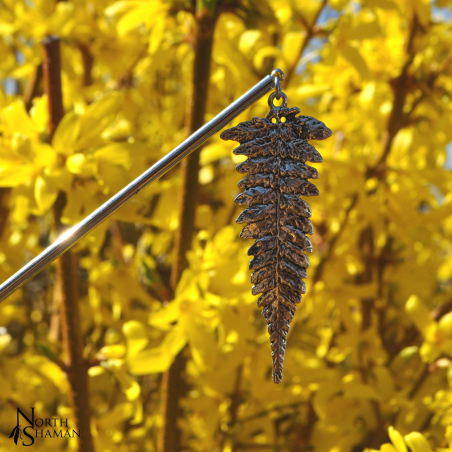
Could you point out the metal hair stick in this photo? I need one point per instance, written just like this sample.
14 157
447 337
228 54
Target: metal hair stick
73 235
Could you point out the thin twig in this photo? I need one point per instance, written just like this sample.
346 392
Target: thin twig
263 413
309 34
66 284
321 267
396 119
172 383
52 80
235 401
32 88
303 434
88 61
4 211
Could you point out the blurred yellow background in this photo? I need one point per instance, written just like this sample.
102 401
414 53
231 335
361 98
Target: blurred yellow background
170 344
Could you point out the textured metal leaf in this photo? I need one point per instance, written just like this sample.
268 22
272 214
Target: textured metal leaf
277 217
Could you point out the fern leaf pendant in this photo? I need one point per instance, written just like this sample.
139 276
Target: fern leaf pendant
277 149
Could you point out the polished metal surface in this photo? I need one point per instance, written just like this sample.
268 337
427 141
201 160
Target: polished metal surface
78 231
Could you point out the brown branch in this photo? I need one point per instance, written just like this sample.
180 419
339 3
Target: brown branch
366 245
236 398
169 435
321 267
88 62
396 120
197 101
428 86
394 125
235 401
32 88
419 382
303 434
52 81
52 85
437 313
263 413
380 435
304 22
310 33
374 439
66 284
412 334
205 20
4 211
251 446
116 240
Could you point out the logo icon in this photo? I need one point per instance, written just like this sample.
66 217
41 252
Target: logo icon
33 430
17 430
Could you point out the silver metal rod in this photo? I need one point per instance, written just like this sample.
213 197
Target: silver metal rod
73 235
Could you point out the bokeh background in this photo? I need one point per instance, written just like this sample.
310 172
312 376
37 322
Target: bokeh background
146 336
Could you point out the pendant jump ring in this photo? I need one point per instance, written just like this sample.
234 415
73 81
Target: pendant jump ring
272 97
278 89
278 75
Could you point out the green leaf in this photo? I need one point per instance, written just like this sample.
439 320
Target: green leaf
45 350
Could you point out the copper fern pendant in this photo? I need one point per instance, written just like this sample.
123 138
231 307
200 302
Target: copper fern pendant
277 148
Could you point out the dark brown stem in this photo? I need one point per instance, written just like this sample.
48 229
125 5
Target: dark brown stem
4 211
88 62
169 436
263 413
52 81
397 118
376 438
32 88
67 287
116 240
66 284
366 245
310 32
419 382
52 85
236 400
196 106
323 261
429 84
252 446
303 433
